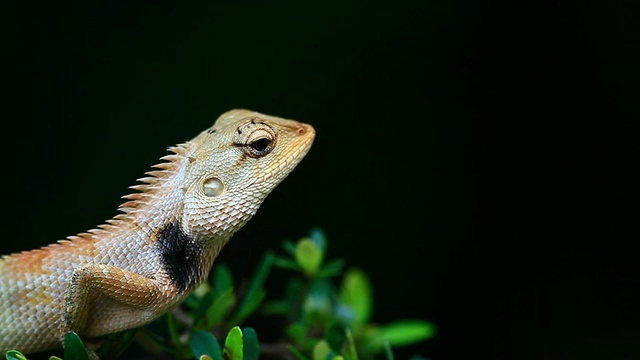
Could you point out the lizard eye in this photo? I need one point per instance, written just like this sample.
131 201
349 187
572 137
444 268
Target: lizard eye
259 143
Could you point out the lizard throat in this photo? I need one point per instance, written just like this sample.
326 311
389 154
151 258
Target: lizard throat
184 258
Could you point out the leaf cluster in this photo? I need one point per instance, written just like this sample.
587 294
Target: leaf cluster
326 311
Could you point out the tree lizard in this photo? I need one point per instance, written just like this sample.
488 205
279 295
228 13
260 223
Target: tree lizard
160 246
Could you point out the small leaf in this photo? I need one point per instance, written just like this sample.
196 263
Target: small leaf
297 331
285 263
388 350
220 307
293 291
204 343
275 308
320 238
356 293
250 344
14 355
255 293
322 351
289 246
296 352
202 289
173 332
205 357
194 299
317 305
222 279
308 256
74 348
350 352
233 344
331 268
335 336
407 332
400 333
250 305
201 310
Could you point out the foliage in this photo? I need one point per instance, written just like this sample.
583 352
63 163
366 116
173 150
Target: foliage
323 321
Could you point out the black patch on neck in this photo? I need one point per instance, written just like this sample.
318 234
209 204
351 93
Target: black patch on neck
181 256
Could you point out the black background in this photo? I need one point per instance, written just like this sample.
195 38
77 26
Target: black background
479 160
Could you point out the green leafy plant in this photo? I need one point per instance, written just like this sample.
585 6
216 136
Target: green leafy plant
326 311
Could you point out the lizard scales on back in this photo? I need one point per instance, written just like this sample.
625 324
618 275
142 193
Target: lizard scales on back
147 259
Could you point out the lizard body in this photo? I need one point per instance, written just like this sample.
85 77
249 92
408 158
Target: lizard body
148 258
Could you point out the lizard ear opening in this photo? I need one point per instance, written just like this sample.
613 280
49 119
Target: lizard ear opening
212 187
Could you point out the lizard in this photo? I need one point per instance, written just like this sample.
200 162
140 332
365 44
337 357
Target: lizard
162 243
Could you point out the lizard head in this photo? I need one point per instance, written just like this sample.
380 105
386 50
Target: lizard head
235 164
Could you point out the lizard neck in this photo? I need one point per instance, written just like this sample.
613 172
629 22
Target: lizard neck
186 259
187 234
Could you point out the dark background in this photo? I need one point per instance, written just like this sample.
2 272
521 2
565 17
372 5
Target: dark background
479 160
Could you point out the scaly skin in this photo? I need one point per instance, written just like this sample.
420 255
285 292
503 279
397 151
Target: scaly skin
146 260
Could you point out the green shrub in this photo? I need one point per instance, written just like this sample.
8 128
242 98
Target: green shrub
324 321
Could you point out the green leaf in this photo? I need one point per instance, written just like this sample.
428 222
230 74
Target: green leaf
296 352
255 293
286 264
194 299
251 304
173 332
356 293
289 246
233 344
205 304
320 238
331 268
297 331
388 350
279 307
322 351
205 343
317 306
293 291
335 336
407 332
202 289
74 348
14 355
220 307
250 346
205 357
400 333
308 256
350 352
222 279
